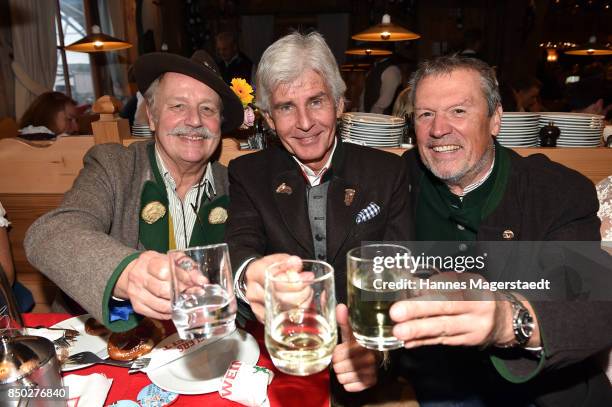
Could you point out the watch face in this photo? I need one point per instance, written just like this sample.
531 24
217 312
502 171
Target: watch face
525 322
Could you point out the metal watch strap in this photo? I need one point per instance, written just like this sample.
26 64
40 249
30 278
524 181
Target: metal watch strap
520 317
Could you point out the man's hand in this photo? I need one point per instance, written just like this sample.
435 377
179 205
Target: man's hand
465 317
356 367
146 283
255 279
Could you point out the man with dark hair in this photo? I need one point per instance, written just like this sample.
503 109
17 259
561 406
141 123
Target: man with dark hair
232 62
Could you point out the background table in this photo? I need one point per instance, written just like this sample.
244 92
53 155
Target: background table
285 390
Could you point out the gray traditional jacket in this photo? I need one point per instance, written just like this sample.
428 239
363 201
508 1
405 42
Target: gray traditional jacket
86 243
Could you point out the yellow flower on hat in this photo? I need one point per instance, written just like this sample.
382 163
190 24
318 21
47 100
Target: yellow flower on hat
243 90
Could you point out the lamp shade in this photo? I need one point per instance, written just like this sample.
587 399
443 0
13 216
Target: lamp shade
98 42
386 31
368 51
591 48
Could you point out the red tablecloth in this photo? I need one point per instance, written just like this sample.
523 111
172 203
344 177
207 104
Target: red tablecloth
285 390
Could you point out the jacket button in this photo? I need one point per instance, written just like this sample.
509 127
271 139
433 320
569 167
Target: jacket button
320 257
318 237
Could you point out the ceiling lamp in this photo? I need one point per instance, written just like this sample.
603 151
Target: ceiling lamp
98 42
591 48
368 51
386 31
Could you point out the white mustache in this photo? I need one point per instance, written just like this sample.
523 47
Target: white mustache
203 132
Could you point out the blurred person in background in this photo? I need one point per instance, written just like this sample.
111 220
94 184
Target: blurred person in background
472 44
588 95
232 62
526 91
23 296
402 106
382 85
49 115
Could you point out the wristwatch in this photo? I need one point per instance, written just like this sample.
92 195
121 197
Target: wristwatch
522 322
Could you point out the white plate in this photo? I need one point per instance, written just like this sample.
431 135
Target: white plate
519 132
582 130
389 137
374 129
576 146
84 342
568 115
518 145
576 128
520 126
519 115
518 136
372 118
579 138
372 133
201 371
582 124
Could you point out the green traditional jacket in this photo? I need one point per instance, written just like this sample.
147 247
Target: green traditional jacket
155 236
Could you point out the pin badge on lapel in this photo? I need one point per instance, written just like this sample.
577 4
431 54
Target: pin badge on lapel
508 234
152 212
349 195
217 216
284 189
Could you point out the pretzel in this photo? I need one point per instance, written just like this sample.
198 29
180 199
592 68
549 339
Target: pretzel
136 342
93 327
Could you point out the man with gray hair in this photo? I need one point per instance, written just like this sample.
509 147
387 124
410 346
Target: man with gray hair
302 196
509 347
105 245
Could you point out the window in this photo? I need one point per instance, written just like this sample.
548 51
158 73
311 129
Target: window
79 68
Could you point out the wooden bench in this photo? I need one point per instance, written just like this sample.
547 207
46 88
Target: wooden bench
33 179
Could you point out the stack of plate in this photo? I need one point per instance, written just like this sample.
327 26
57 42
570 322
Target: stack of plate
577 129
519 129
371 129
141 130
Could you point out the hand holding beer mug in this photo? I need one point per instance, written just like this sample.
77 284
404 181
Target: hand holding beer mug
300 315
374 283
203 301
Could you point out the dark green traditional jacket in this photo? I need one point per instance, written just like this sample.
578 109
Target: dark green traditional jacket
541 201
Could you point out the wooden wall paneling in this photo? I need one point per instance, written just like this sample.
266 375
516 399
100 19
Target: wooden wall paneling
50 169
131 32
